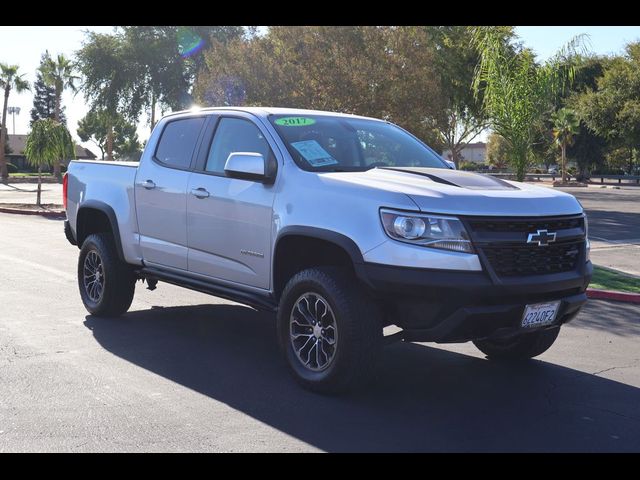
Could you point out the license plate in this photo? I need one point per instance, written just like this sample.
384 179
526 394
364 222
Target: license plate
540 314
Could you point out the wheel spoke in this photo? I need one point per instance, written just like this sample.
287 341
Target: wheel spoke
92 291
319 315
295 322
330 341
304 345
307 317
298 335
308 353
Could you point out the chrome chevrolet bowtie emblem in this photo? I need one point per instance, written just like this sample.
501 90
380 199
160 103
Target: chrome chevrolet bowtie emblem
542 237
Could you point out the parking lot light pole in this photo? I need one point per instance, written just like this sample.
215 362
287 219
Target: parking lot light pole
14 111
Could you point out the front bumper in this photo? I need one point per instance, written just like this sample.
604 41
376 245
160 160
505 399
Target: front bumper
455 306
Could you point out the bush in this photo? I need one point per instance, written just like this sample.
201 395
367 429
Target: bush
11 168
63 169
468 166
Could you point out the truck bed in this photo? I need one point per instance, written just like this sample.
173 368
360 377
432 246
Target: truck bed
93 183
106 162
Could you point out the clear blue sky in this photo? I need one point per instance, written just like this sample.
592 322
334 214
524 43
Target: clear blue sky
545 41
24 45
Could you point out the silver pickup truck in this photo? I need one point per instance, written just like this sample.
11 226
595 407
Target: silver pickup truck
341 224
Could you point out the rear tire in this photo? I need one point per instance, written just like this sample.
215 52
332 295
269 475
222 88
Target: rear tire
522 347
329 329
106 283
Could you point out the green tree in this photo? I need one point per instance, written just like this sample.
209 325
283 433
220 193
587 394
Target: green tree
109 80
617 160
9 80
461 118
164 61
47 142
160 71
497 151
44 97
94 127
612 110
384 72
518 92
588 148
59 74
565 126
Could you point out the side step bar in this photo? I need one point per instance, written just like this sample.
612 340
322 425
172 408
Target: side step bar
260 302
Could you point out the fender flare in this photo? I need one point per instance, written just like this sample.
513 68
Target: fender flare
339 239
344 242
111 216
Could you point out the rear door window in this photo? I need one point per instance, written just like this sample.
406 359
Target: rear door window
178 142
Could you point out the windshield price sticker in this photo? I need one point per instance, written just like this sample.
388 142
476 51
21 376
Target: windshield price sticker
314 153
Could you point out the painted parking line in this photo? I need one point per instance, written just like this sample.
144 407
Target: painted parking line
625 241
38 267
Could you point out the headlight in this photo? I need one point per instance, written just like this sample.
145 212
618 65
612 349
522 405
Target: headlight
434 231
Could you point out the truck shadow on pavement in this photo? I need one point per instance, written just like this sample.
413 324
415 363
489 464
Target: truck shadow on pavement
424 398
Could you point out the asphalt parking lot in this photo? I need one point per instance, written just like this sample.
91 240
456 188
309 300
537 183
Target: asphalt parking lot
614 225
187 372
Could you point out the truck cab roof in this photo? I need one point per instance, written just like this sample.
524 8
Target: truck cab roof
266 111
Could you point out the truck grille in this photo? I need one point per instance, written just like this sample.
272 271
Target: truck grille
530 225
503 241
533 260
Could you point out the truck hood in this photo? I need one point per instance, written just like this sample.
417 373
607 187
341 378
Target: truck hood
438 190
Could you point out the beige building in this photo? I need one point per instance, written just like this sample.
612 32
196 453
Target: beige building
16 156
473 152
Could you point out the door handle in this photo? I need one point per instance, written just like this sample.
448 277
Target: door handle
148 184
199 192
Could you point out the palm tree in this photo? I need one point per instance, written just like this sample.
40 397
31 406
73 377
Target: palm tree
565 126
58 73
9 79
48 141
517 90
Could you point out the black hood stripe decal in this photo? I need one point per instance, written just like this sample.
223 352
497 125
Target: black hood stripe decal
455 178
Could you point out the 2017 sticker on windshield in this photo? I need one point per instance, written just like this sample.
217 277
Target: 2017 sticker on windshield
295 121
314 153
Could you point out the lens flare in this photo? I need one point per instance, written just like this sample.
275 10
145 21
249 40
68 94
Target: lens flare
189 43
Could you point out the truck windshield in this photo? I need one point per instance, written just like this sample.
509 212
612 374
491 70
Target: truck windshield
328 143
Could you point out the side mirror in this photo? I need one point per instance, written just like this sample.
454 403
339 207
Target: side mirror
451 164
249 166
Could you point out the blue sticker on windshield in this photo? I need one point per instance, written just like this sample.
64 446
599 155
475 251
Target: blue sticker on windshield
314 153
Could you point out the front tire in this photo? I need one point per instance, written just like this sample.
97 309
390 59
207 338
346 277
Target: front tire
521 347
106 283
329 329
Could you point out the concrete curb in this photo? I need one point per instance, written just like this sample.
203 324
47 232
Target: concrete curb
43 213
610 295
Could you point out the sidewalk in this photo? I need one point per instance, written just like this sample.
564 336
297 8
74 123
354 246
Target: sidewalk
623 256
25 193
